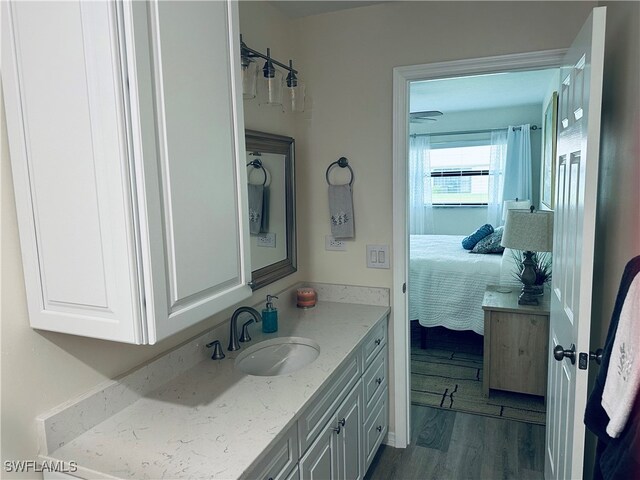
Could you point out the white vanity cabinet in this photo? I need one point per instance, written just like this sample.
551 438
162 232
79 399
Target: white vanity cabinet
127 146
282 461
337 451
352 431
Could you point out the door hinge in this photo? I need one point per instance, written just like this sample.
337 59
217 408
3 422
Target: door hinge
404 288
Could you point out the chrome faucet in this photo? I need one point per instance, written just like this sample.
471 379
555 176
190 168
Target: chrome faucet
233 334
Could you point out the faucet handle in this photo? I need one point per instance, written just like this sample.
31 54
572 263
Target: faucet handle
218 354
244 337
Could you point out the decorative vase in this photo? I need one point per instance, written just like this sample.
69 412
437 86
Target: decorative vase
538 290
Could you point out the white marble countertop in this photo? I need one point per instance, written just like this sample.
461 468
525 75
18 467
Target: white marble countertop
214 421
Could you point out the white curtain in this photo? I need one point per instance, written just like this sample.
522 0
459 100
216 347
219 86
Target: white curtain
517 172
420 206
496 177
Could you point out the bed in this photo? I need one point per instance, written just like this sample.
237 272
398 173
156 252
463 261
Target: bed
447 283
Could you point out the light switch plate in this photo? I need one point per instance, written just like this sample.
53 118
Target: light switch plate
266 240
334 244
378 256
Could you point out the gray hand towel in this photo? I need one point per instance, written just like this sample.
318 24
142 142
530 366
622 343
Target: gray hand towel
264 223
341 211
256 196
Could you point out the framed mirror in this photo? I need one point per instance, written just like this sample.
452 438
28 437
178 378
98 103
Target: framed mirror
272 215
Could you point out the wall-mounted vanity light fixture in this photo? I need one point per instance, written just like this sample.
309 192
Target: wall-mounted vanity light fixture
269 85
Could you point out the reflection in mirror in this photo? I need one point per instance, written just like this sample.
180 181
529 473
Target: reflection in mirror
270 173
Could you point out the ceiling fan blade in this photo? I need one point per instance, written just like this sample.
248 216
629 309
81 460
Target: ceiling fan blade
422 119
424 116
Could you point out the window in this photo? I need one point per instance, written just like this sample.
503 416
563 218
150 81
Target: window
459 174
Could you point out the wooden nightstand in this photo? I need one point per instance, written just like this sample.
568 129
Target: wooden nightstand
515 342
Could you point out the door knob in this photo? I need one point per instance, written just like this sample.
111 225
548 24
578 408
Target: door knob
597 356
559 353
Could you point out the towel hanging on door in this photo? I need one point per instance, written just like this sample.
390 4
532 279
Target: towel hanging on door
623 375
616 458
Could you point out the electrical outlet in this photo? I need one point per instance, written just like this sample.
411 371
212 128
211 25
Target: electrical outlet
266 240
378 256
334 244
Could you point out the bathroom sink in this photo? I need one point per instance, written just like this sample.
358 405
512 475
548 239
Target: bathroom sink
278 356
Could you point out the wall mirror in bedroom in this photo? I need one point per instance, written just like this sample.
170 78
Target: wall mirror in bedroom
272 216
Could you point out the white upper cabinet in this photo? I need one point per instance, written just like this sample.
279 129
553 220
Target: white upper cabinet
127 146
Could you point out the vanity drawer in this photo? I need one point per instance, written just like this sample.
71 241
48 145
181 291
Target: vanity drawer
374 379
281 460
375 428
374 342
318 413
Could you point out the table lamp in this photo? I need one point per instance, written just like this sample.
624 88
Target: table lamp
530 231
513 204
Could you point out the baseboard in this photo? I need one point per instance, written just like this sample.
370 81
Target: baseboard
390 439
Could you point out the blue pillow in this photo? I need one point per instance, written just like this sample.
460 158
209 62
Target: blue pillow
469 242
490 243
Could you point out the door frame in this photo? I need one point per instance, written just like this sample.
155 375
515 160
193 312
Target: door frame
402 76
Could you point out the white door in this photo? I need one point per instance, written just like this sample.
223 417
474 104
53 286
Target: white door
577 178
350 456
188 135
61 77
321 460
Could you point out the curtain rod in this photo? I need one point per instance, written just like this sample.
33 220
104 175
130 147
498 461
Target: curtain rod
468 132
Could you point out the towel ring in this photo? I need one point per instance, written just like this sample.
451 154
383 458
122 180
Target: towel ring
342 162
257 163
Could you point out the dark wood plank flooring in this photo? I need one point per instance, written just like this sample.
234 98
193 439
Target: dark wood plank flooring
453 445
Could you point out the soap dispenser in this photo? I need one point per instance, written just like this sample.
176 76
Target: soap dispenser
270 316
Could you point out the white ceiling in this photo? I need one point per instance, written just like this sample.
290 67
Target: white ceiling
298 9
480 92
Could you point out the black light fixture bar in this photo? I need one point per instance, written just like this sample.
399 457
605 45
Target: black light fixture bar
251 53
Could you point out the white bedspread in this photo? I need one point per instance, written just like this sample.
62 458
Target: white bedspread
447 283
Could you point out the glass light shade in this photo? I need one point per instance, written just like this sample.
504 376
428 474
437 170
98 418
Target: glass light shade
294 98
270 89
249 78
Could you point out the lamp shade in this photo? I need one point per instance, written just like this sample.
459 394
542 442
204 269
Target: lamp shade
513 204
526 230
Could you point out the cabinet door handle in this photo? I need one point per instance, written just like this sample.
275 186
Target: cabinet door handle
337 429
342 422
379 428
379 380
378 341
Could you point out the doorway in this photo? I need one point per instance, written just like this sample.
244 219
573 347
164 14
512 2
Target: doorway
403 76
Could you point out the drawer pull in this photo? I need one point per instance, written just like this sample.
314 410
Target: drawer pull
379 380
378 341
343 422
379 428
337 429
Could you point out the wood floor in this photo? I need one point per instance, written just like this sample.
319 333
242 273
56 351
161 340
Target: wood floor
453 445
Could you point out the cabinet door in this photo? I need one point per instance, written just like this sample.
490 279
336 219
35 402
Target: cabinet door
321 460
350 451
188 138
62 79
